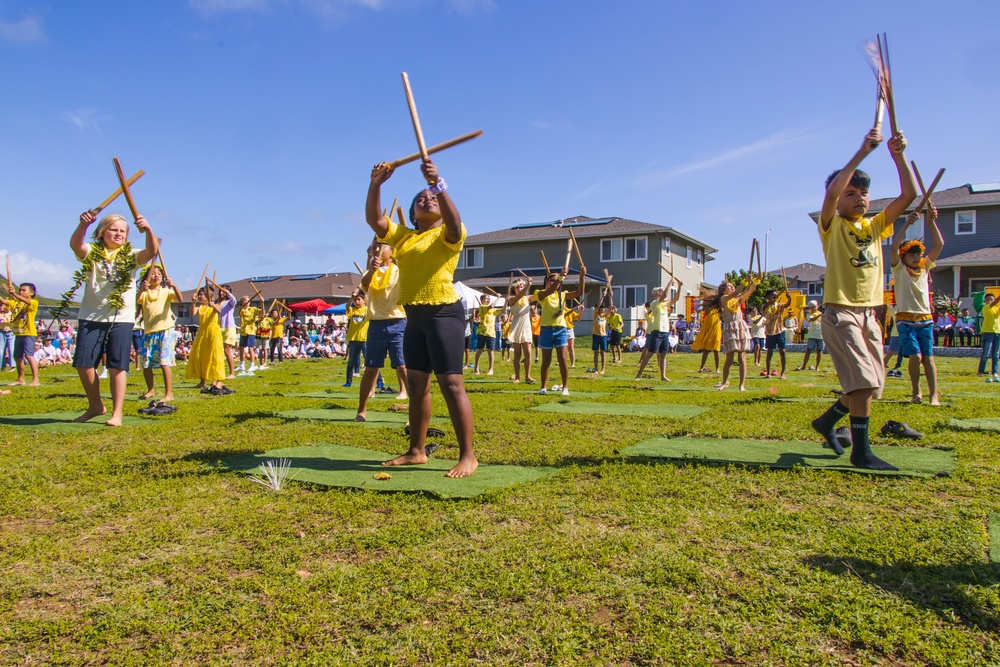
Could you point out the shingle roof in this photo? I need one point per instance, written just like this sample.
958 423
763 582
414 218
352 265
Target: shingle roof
952 198
805 272
335 287
980 256
582 226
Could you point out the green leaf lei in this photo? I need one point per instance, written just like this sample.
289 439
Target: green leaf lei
119 270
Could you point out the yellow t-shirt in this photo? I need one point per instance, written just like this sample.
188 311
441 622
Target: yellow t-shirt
22 321
991 318
264 327
357 324
615 322
156 313
383 295
772 318
600 325
854 261
487 321
427 264
278 327
657 311
249 319
571 316
552 308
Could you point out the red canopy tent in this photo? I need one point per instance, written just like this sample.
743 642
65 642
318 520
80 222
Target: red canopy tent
314 306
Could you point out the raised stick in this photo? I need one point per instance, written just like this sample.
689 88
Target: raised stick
416 119
521 272
358 268
784 279
487 289
929 191
883 53
399 214
879 109
753 246
576 247
569 253
435 149
203 274
760 271
546 264
124 188
215 274
107 202
10 281
669 273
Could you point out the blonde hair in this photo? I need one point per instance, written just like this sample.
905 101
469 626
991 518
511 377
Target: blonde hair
106 222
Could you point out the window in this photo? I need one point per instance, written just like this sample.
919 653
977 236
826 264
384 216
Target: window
635 295
635 248
616 296
611 250
690 256
471 258
914 231
815 289
965 222
666 245
697 257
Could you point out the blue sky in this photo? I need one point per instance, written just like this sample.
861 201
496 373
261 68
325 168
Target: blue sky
257 121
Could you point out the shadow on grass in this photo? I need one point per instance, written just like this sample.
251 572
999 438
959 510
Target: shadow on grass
249 416
947 590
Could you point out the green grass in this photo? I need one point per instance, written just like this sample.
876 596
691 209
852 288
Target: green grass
133 547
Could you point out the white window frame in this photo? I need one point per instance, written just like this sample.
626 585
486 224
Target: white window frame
960 213
477 252
645 294
666 245
645 245
690 257
613 243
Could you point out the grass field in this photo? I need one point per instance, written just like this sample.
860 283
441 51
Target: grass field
132 546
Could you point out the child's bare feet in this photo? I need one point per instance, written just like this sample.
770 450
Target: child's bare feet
114 421
722 386
466 466
168 398
147 395
16 383
34 383
743 387
4 391
410 458
90 414
402 396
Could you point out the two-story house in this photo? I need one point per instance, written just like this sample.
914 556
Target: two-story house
629 250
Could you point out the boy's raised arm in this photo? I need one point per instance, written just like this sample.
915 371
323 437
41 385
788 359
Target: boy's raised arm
843 178
935 233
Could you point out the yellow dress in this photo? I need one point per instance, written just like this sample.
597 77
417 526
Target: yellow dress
710 335
207 361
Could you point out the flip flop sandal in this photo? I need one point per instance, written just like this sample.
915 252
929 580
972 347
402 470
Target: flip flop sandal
166 407
432 431
901 430
430 448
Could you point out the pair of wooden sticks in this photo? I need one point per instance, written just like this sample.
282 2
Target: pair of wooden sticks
424 153
878 56
571 245
124 189
755 252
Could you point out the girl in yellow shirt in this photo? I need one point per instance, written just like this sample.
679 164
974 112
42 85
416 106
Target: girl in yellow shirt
435 318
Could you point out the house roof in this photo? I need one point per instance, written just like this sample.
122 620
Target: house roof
294 288
979 257
582 226
806 273
537 275
964 196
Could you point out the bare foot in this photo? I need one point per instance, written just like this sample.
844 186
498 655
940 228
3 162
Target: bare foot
114 421
4 391
168 398
722 386
231 376
935 401
530 380
402 396
743 388
90 414
149 394
465 467
410 458
665 379
16 383
360 418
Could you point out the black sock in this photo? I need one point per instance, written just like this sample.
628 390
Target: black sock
827 423
861 452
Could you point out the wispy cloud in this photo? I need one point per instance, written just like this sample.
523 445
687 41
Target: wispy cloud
772 144
86 120
549 126
51 279
28 30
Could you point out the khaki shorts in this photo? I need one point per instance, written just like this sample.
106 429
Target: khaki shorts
854 342
229 336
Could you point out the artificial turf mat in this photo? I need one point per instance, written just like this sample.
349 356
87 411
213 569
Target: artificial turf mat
62 422
339 465
339 395
733 387
993 528
623 409
981 424
347 415
911 461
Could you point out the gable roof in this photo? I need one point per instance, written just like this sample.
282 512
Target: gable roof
978 257
582 227
964 196
806 273
302 287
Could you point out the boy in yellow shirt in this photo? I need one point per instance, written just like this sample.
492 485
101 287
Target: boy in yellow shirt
249 318
24 308
853 289
357 334
277 335
486 332
990 332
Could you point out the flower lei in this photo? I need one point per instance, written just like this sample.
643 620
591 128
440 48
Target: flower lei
117 270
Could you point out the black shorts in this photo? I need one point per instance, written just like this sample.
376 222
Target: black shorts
614 338
433 339
96 338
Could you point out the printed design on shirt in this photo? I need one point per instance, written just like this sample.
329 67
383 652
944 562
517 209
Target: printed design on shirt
863 240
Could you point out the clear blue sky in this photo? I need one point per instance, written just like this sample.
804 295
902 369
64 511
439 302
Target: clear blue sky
257 121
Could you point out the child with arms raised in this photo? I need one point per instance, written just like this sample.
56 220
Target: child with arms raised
735 332
24 307
910 269
853 289
159 342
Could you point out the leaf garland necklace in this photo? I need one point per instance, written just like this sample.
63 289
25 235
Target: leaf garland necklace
117 269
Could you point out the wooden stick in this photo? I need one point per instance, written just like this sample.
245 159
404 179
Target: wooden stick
760 271
784 279
753 246
521 272
879 109
569 253
124 188
671 262
576 247
215 274
399 214
358 268
883 53
107 202
10 281
666 269
259 295
436 149
416 119
927 194
203 274
546 264
487 289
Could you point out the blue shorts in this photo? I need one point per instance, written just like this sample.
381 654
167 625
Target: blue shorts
916 338
486 343
248 340
24 346
385 337
775 342
158 348
656 342
599 343
894 343
96 338
552 337
814 344
758 343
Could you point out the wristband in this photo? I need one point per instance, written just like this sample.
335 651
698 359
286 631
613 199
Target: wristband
438 187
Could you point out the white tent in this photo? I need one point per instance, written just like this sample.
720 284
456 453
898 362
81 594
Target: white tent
470 297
